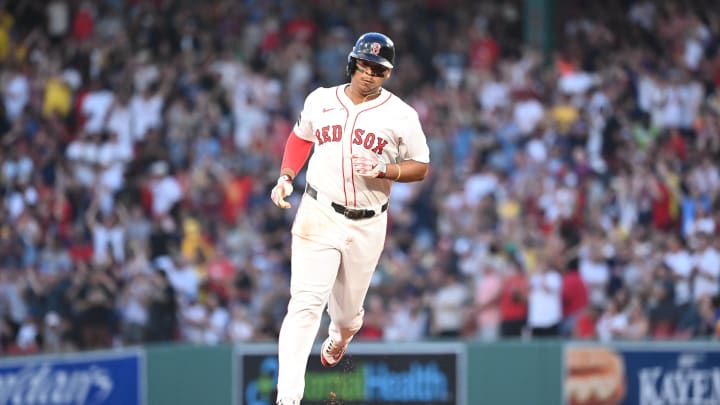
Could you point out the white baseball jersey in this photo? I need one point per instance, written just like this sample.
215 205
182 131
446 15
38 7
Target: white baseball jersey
334 256
386 126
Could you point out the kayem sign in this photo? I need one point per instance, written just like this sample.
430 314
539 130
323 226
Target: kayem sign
657 374
423 373
87 379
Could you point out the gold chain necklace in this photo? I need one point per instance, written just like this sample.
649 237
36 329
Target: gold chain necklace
348 91
372 94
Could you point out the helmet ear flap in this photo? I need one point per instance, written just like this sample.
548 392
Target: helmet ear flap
351 66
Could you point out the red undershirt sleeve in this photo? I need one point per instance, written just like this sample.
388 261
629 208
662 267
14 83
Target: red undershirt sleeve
295 155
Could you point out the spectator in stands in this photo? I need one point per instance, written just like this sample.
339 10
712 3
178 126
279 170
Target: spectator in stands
700 320
165 190
613 322
407 319
594 270
663 311
706 268
448 304
193 321
94 295
52 333
15 91
27 340
586 323
638 327
133 309
163 310
375 319
574 297
240 327
108 234
218 318
95 106
680 263
545 301
513 301
487 303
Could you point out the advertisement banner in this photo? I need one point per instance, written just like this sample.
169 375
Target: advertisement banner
636 374
103 378
427 374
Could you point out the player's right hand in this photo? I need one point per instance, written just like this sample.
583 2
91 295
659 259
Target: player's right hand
282 190
368 165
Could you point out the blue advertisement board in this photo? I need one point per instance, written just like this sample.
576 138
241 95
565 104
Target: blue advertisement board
419 374
637 374
108 378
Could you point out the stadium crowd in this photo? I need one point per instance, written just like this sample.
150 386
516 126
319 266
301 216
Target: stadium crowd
572 194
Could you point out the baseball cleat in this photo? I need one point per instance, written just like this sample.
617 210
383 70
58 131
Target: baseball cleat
331 353
288 401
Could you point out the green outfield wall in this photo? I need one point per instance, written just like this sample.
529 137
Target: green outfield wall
515 373
189 375
524 373
426 373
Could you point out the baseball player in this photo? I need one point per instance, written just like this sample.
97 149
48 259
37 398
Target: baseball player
365 139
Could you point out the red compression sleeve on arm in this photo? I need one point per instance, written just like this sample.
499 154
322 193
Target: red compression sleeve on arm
296 154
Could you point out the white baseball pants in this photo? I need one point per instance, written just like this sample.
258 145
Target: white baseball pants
333 260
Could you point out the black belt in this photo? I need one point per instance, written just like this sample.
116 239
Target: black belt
349 213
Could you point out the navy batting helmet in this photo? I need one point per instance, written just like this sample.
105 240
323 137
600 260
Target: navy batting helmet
373 47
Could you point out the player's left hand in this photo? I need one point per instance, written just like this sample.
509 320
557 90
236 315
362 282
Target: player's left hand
282 189
368 165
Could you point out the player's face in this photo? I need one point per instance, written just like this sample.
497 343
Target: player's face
369 76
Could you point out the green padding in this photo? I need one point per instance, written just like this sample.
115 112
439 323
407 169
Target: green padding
189 375
515 373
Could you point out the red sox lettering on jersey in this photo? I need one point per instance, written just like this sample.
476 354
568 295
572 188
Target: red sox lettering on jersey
333 133
323 134
372 142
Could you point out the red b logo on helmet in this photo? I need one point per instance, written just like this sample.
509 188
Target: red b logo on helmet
375 48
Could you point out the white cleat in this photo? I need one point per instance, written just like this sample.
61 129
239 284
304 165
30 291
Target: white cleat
331 353
288 401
